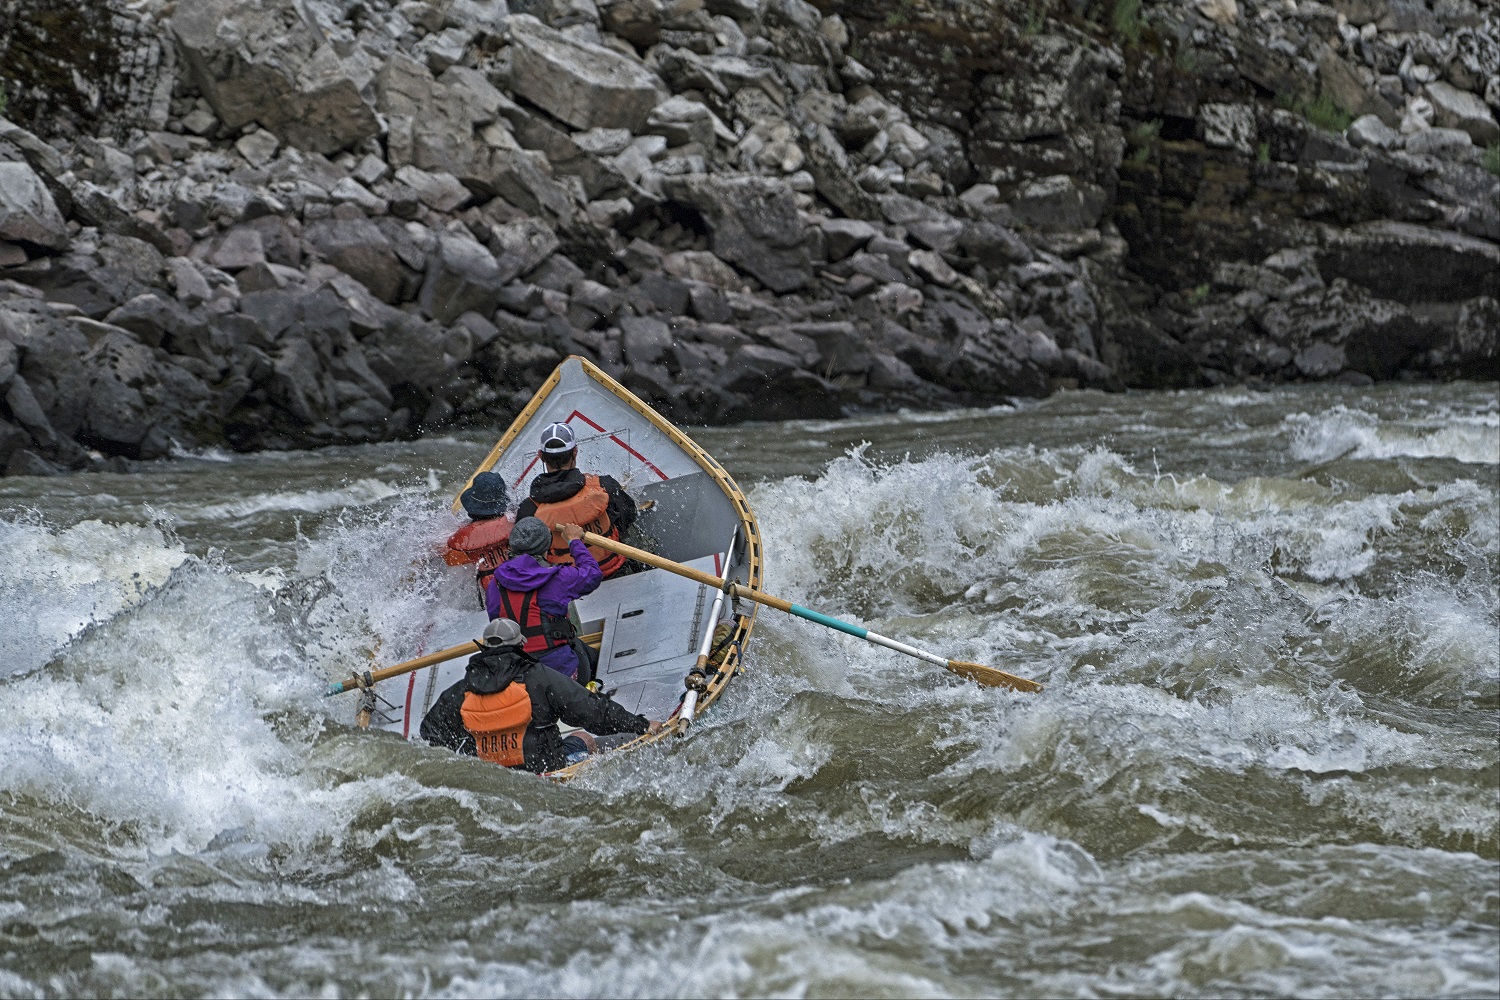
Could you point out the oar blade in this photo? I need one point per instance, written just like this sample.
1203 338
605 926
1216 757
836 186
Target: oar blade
990 677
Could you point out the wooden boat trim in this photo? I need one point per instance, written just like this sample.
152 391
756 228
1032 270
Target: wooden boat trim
749 528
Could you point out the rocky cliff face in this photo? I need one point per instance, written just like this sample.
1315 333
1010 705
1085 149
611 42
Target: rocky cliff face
278 223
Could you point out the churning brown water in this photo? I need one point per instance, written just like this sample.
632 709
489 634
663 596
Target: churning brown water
1265 762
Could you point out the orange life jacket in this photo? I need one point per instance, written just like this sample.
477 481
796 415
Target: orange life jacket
484 543
588 508
498 723
541 630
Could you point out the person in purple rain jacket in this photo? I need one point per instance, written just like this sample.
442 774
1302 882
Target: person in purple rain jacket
535 593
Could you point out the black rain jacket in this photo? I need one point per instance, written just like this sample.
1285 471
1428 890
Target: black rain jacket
554 698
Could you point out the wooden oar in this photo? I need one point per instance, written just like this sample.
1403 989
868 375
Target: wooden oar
978 672
384 673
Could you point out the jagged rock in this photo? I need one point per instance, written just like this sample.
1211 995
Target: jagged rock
1059 202
932 266
1411 263
700 265
240 248
258 148
843 237
644 339
263 61
585 85
755 225
1448 143
462 276
156 321
440 192
521 245
993 245
833 174
361 250
1370 132
681 121
27 212
775 386
1454 108
1344 87
1229 126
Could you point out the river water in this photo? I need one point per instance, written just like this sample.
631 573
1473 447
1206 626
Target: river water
1265 761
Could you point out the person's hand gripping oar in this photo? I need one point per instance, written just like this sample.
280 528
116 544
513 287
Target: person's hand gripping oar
978 672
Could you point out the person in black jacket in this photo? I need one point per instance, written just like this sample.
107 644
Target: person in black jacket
563 480
507 707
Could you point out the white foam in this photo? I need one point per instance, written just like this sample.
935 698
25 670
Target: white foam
55 584
1341 432
360 493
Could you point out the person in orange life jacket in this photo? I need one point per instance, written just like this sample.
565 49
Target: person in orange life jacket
564 495
484 540
528 589
507 707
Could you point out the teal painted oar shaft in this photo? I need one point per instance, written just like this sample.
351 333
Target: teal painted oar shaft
975 671
830 621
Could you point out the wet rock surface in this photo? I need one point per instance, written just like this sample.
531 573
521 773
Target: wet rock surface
268 223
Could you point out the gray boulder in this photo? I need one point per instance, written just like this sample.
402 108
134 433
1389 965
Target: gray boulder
1369 132
359 249
1447 143
755 225
462 276
27 212
1411 263
1454 108
843 237
522 245
265 61
585 85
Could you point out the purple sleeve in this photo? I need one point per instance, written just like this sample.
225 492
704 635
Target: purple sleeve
589 575
492 597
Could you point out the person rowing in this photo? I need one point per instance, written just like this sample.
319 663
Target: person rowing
507 708
529 589
565 495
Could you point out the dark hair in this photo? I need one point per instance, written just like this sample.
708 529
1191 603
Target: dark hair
555 462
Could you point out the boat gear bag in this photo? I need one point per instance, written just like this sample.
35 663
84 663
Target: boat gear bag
498 723
541 630
588 508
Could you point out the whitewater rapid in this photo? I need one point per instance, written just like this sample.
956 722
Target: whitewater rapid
1265 761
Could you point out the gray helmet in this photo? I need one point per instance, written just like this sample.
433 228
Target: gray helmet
531 537
500 633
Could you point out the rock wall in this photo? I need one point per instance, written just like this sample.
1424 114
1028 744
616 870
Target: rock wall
282 223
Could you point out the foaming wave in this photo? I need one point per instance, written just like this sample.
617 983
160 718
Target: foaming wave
1341 432
360 493
55 584
199 711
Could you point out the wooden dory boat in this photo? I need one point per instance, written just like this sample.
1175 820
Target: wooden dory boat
648 626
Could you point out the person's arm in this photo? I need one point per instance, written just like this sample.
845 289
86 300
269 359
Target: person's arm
577 706
443 726
621 510
492 597
585 575
527 509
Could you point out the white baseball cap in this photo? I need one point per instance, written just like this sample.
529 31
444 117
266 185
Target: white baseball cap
558 439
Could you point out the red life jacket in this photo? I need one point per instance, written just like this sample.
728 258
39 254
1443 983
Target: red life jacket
484 543
498 723
588 508
543 632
